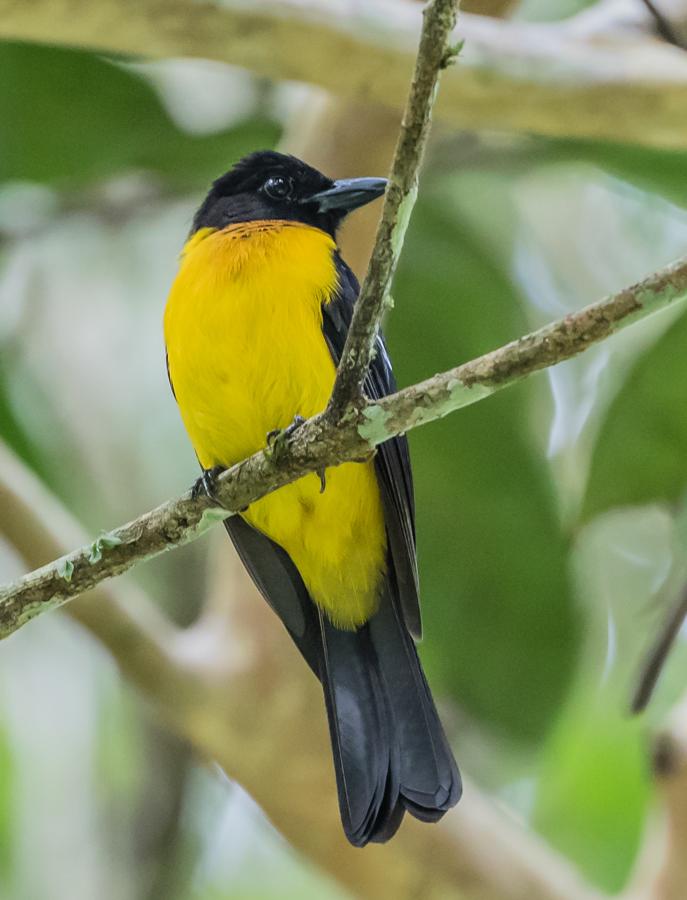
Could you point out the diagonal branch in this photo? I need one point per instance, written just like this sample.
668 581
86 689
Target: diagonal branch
658 653
207 681
120 615
558 80
319 444
174 524
663 25
434 54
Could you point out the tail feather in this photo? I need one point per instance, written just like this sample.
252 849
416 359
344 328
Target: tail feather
390 751
362 744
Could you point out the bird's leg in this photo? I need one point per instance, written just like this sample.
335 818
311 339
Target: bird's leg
207 484
281 433
275 443
277 438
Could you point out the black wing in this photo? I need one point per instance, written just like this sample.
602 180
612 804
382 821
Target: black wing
280 583
392 461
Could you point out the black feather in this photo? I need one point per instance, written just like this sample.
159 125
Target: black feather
392 461
280 583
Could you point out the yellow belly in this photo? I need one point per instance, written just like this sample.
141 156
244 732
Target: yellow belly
243 329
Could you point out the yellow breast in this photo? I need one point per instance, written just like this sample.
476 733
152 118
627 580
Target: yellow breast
243 329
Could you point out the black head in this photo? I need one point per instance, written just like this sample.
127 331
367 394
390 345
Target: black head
269 185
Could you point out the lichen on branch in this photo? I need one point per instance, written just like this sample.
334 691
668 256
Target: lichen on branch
351 426
320 444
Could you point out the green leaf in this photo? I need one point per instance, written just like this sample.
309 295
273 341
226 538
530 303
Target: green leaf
501 631
640 454
650 169
69 118
593 790
12 431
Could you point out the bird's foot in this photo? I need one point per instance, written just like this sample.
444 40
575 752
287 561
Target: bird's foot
277 438
207 484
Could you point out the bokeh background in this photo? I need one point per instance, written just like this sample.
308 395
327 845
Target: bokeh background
551 518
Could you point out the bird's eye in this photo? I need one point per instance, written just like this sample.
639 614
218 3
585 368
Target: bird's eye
277 187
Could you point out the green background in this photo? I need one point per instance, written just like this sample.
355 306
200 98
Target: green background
548 516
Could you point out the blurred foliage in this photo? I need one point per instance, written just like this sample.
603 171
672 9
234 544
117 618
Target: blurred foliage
548 11
12 431
653 170
533 623
594 790
8 812
90 119
640 455
490 539
595 786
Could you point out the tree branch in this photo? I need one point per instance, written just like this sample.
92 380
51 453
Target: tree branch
549 79
207 681
658 653
318 444
663 25
188 676
434 54
120 615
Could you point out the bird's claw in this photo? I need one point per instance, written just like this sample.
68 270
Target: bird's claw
277 437
323 479
207 484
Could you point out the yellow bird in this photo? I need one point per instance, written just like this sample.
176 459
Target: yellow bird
254 326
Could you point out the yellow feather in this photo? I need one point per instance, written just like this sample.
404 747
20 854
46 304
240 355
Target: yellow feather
243 329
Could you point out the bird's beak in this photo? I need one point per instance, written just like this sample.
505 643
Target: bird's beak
348 194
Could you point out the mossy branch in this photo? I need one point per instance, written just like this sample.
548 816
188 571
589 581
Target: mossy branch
319 444
350 431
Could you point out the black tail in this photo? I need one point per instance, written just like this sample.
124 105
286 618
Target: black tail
390 751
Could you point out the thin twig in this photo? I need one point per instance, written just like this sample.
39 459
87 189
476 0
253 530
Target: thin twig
663 25
318 444
206 682
434 54
658 654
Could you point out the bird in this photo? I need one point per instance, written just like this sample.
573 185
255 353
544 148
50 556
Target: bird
254 326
